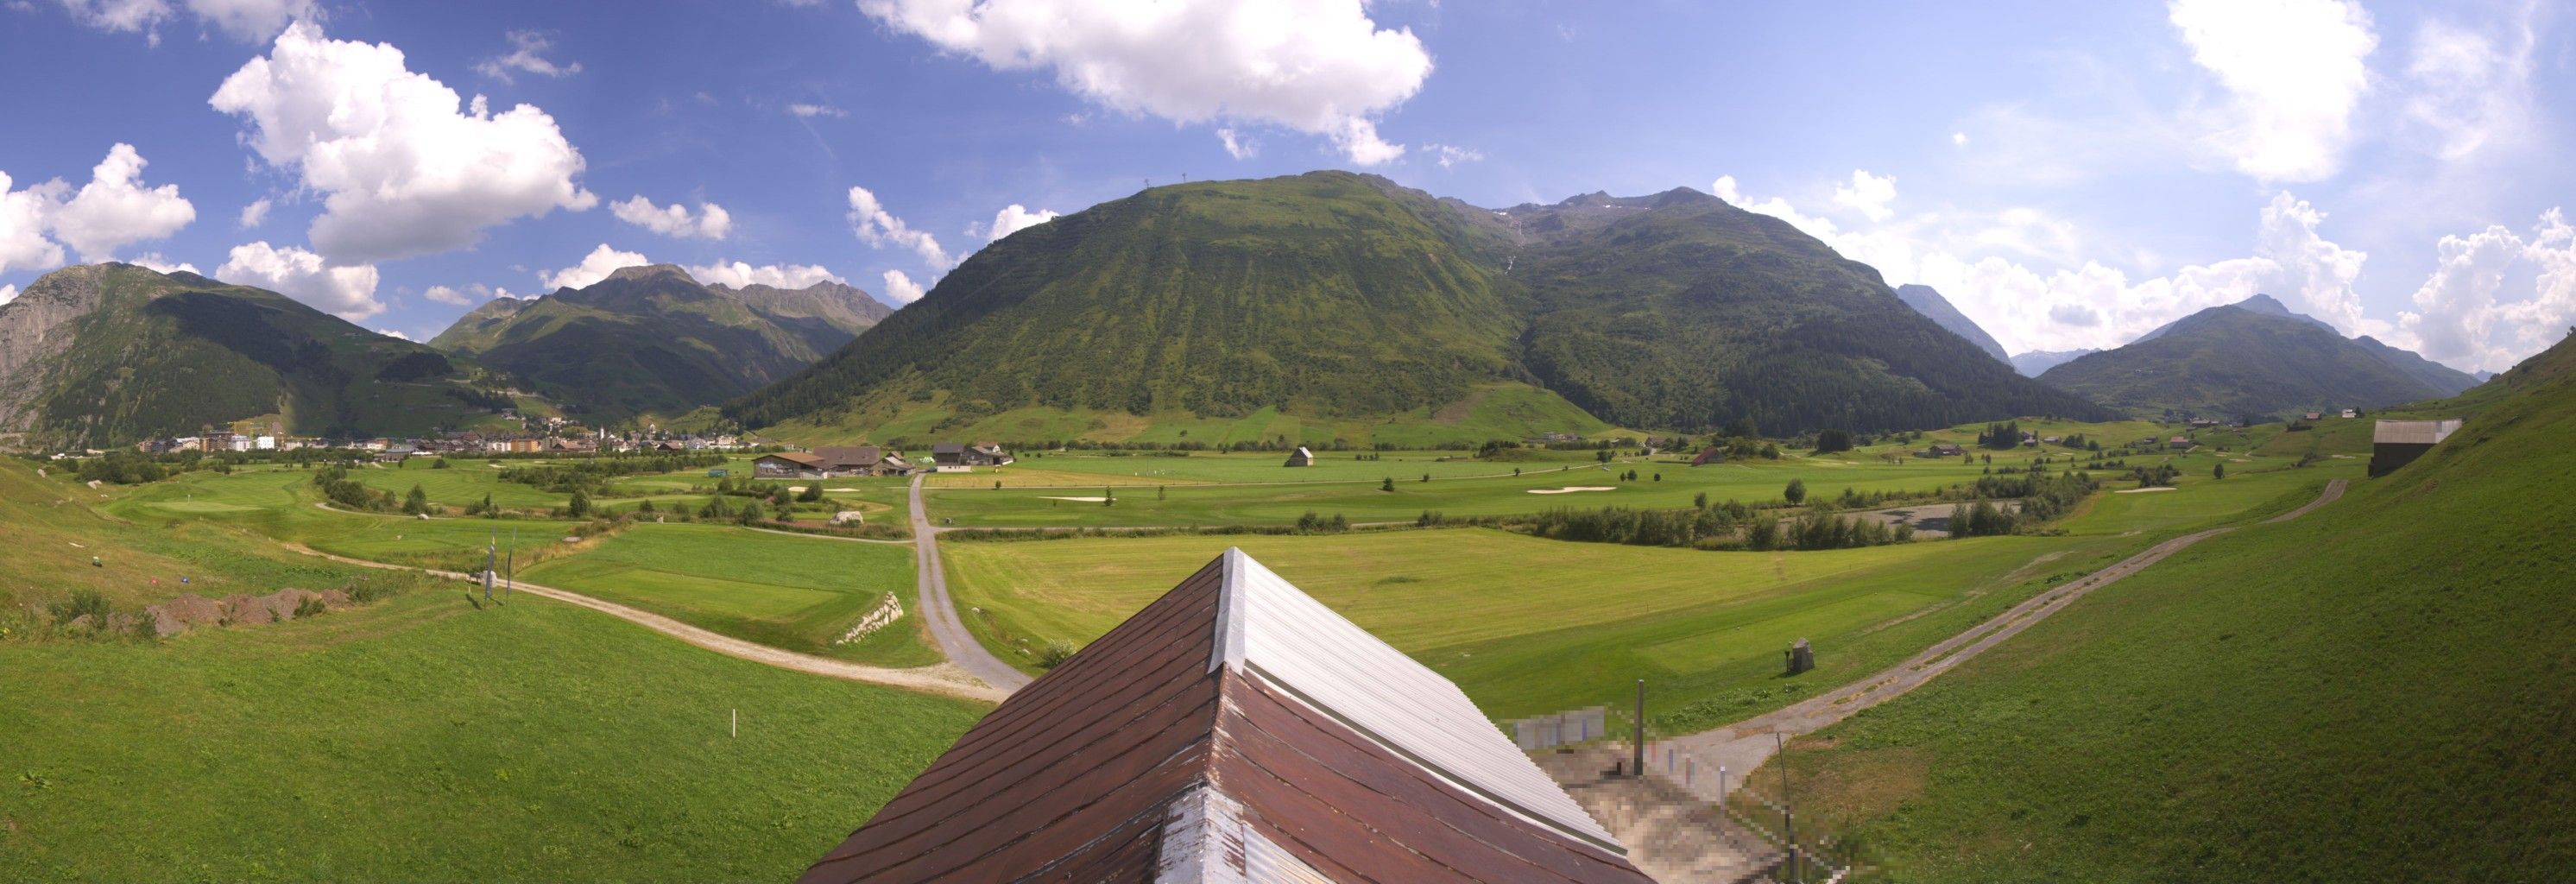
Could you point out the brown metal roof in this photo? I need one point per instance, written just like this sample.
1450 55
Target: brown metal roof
1150 756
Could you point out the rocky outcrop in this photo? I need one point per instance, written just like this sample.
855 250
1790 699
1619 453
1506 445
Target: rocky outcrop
34 328
189 611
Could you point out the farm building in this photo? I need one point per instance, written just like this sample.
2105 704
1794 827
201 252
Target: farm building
2394 444
2179 443
1709 455
860 460
955 457
1301 458
788 465
1233 730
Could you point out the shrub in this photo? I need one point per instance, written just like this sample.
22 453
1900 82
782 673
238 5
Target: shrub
1054 654
84 602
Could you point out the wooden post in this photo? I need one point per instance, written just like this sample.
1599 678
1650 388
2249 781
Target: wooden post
1640 730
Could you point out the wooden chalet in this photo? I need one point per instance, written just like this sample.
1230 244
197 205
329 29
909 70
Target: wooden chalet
1235 730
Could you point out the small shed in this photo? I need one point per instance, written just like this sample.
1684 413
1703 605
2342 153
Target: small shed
1709 455
2394 444
1301 458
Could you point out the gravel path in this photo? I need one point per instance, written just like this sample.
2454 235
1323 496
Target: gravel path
1744 745
941 613
940 679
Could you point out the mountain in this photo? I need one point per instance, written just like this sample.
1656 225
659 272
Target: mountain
1927 301
2037 362
109 354
651 340
2236 361
2445 379
1348 302
2259 303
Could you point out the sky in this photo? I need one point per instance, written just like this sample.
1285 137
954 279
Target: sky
2069 175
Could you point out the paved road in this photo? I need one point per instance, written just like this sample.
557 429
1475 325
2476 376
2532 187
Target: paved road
940 679
941 613
1744 745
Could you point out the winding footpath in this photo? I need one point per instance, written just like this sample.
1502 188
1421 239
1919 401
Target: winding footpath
941 613
939 679
1740 747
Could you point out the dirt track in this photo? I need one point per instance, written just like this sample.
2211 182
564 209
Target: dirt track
939 679
1744 745
941 613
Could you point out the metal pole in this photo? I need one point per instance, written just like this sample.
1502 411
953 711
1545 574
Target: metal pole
510 588
1641 728
1788 817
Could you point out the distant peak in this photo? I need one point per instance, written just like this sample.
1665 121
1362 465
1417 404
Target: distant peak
648 271
2262 303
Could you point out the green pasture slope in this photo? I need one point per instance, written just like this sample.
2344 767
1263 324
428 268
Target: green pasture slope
1489 411
1528 625
786 591
2376 692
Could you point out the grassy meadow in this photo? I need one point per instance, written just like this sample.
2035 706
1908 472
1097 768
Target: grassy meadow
2377 691
798 593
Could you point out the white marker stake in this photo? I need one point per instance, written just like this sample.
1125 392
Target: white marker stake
735 728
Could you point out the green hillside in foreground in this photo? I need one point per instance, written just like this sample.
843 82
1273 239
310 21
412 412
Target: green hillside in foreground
411 740
2234 361
652 340
1343 301
107 354
2376 692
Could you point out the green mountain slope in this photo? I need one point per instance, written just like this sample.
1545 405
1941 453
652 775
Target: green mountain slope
2377 691
1345 301
2445 380
1928 301
112 353
651 340
2232 361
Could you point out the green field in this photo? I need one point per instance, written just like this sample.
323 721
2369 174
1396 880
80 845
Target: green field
1528 625
1489 411
793 592
420 739
2378 691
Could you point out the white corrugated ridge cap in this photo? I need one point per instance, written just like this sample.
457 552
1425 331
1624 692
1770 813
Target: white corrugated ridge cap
1268 628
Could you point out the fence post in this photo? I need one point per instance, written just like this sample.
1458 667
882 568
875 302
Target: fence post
1641 728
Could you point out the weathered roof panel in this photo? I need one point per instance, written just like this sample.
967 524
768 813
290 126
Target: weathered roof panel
2413 432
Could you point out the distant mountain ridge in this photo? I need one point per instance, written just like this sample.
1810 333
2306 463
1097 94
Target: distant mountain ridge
1339 296
1927 301
110 354
652 340
2253 359
2038 362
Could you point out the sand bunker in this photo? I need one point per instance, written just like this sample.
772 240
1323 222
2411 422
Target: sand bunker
1572 488
2139 490
842 490
1093 499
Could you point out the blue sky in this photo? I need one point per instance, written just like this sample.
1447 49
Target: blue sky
2068 174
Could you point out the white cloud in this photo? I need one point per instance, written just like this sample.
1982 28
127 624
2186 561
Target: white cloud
1014 218
390 333
594 267
348 292
877 227
159 264
467 296
2468 91
22 227
1867 194
526 48
405 173
738 275
2316 274
2457 303
8 293
1323 68
115 210
2551 312
810 111
1959 139
711 221
1237 145
2294 73
1451 155
250 21
255 214
901 288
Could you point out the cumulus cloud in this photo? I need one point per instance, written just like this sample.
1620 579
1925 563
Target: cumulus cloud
250 21
1322 68
403 170
877 227
738 275
809 111
22 227
2294 73
2455 310
901 288
254 214
710 221
159 264
527 56
390 333
1014 218
465 296
115 209
1237 145
1867 194
8 293
594 267
348 292
1451 155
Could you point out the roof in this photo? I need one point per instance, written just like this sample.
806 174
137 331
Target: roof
795 457
1233 730
2413 432
947 448
849 455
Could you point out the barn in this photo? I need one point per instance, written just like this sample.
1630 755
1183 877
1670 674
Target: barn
1234 730
2394 444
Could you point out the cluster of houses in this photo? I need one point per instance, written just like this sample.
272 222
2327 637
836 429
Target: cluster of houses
836 461
459 442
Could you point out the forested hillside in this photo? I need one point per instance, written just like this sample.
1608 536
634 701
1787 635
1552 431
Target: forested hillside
2231 361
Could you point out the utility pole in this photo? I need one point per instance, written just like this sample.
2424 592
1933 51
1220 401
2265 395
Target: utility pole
1640 731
